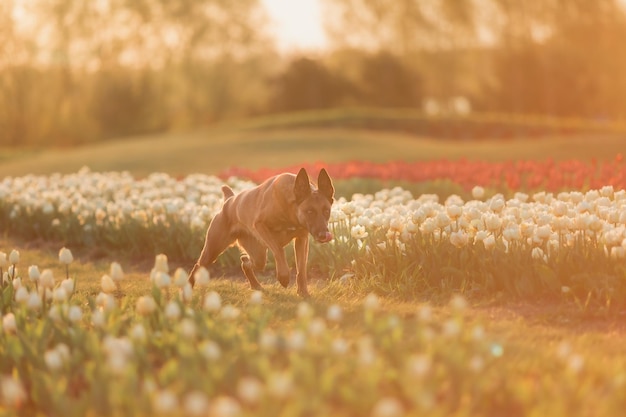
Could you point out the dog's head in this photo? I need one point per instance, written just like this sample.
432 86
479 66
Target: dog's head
314 204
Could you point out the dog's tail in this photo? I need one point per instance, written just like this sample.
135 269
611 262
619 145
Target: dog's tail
228 192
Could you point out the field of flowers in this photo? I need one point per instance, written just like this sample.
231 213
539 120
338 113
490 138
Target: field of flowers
222 350
568 244
209 352
504 177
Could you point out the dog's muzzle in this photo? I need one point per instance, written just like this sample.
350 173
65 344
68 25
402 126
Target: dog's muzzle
324 237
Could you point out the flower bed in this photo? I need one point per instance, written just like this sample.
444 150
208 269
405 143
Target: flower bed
542 244
505 177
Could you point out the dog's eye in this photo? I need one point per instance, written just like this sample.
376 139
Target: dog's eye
310 212
327 213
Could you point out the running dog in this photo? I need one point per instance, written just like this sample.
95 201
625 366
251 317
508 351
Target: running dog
269 216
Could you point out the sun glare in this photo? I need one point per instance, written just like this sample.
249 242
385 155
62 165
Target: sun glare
296 25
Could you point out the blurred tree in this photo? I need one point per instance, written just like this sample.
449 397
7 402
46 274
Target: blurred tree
401 26
307 84
387 82
72 69
559 57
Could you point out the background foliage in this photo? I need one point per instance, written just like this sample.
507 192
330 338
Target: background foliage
72 72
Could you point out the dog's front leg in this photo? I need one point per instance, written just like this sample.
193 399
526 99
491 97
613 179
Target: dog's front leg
282 268
301 246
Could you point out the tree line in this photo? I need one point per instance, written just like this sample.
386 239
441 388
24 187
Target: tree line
74 71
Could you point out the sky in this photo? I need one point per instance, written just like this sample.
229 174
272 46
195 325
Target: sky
296 24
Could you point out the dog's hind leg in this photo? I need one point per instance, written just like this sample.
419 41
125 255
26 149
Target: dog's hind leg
253 258
218 238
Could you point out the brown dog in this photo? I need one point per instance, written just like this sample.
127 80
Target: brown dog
271 215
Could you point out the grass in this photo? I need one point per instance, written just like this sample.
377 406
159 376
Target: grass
278 142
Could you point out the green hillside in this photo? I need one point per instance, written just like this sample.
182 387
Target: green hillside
281 141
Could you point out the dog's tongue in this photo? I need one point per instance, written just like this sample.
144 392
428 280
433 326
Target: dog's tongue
327 238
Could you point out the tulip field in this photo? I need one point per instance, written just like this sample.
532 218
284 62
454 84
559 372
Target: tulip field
391 328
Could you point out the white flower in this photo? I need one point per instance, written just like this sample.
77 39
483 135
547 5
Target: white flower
256 298
187 328
8 323
489 242
249 390
334 313
33 273
340 346
172 310
65 256
425 313
14 257
202 277
477 363
538 255
225 407
34 301
305 311
165 402
53 359
229 312
396 224
116 272
12 392
358 232
459 238
138 332
419 365
371 302
268 340
107 284
280 385
59 295
210 350
512 232
493 222
46 279
68 285
162 279
451 328
454 211
160 263
442 220
296 340
458 303
105 301
180 277
575 363
196 403
146 305
478 192
97 318
388 407
212 301
21 295
186 293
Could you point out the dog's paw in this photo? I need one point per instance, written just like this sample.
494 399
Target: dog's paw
284 280
304 293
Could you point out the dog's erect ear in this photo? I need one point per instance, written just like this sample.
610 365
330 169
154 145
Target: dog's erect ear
325 185
302 187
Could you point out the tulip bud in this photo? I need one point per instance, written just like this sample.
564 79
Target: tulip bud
65 256
108 286
14 257
116 272
33 273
